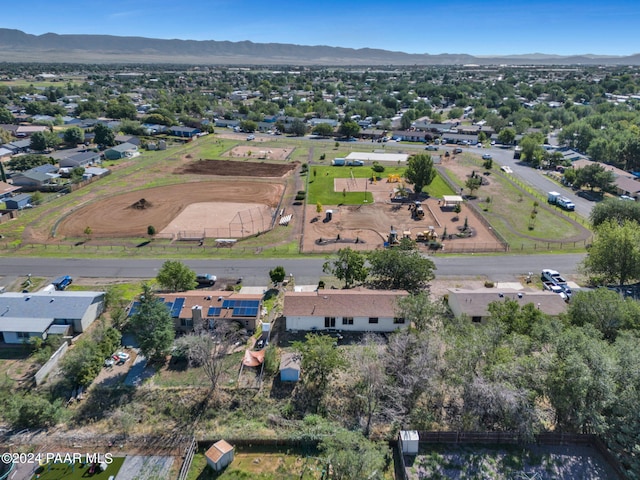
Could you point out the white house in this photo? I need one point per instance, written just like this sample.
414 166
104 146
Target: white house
357 310
26 315
219 455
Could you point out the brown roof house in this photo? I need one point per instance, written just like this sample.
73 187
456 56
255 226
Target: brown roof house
203 308
219 455
475 303
357 310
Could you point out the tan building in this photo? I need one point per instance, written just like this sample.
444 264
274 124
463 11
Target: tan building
475 303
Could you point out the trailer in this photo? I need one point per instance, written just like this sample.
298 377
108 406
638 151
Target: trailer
554 198
553 277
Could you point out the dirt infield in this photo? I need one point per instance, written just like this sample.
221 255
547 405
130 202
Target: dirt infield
234 168
116 217
220 220
259 151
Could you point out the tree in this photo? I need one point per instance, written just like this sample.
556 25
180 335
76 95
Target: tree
27 162
151 230
350 456
323 130
349 266
615 209
83 363
473 183
208 349
153 326
349 129
104 135
320 359
422 312
420 171
298 128
605 309
507 136
34 411
399 269
73 136
569 176
36 198
248 126
277 274
41 141
594 176
319 207
614 255
175 276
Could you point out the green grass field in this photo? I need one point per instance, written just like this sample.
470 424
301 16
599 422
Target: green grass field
64 471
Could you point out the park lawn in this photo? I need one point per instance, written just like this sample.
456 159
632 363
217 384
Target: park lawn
321 185
63 471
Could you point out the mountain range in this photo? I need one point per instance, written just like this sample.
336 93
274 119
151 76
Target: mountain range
18 46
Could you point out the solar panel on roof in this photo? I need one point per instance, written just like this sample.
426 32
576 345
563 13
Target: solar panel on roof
177 307
134 308
245 311
214 311
228 303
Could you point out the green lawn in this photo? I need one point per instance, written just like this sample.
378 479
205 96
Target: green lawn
321 185
64 471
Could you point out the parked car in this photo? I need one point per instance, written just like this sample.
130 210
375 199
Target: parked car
431 148
251 137
457 150
206 279
487 156
62 283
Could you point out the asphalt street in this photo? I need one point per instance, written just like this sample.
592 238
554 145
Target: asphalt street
256 271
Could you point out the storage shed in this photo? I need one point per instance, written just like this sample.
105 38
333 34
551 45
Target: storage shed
409 442
18 202
219 455
290 367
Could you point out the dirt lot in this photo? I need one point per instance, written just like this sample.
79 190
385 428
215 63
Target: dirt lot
261 152
118 217
235 168
371 224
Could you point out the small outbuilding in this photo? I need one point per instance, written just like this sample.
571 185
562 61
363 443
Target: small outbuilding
219 455
409 442
290 367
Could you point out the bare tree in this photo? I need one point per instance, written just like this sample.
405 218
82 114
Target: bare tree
371 380
207 349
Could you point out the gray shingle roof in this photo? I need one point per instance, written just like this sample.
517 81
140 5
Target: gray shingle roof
64 305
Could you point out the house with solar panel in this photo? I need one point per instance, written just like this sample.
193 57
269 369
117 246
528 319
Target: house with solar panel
355 310
198 309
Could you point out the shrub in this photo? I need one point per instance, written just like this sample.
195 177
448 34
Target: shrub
488 284
377 167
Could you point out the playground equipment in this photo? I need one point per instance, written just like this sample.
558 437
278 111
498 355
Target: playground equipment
427 235
394 178
416 210
406 234
392 239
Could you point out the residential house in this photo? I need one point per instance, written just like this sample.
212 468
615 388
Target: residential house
290 365
28 130
185 132
626 183
197 309
80 159
358 310
474 304
18 146
124 150
18 202
34 179
27 315
6 190
219 455
132 139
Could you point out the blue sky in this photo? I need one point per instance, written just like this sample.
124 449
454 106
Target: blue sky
491 27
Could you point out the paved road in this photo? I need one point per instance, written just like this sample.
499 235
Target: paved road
256 271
